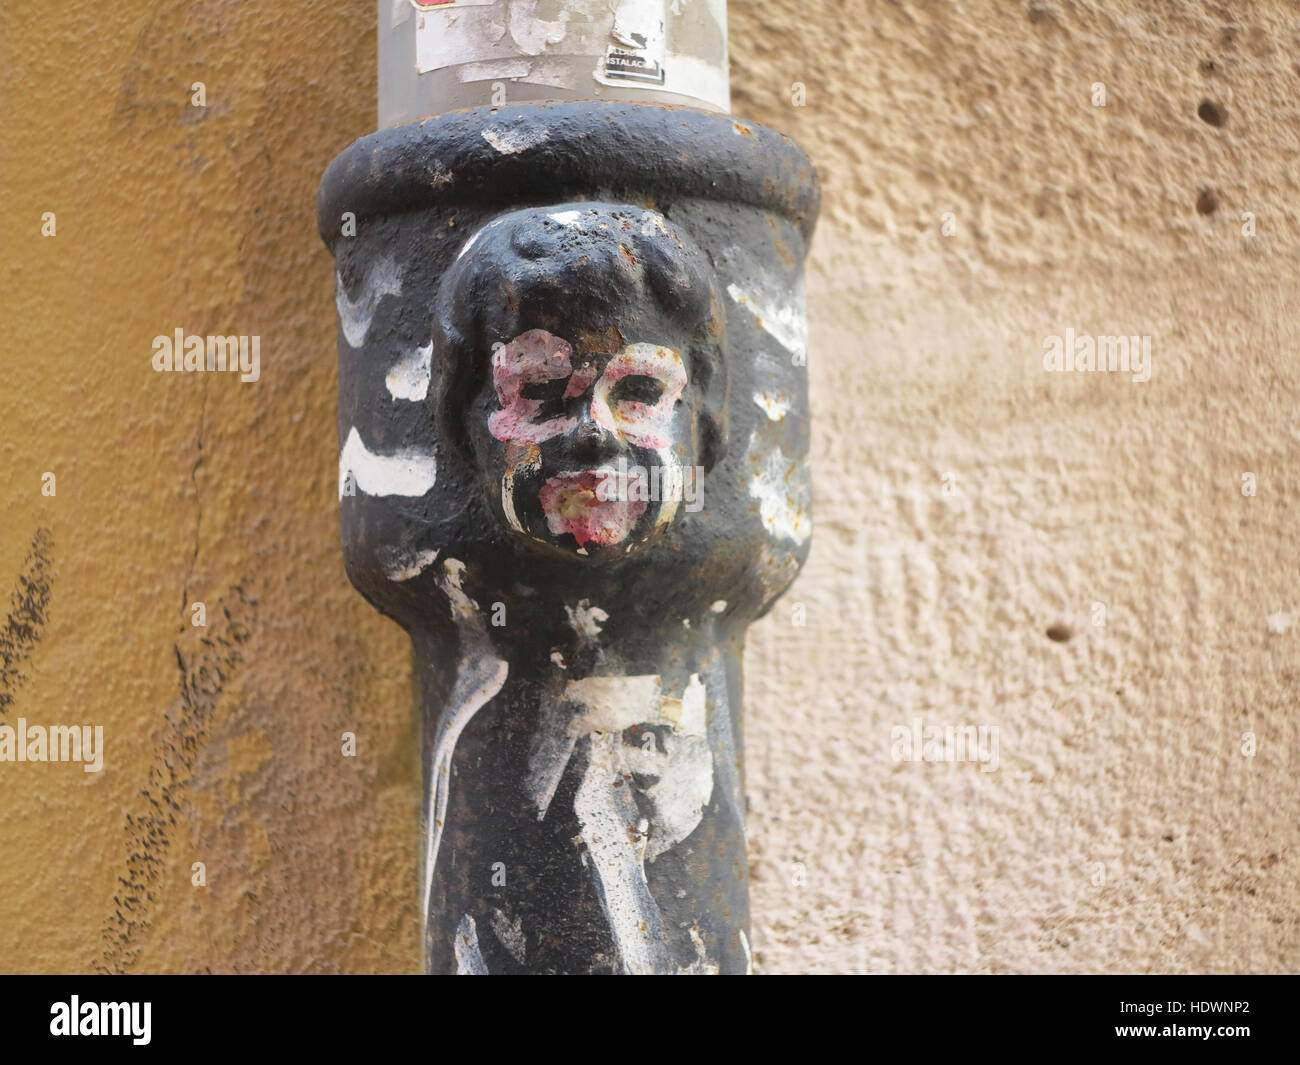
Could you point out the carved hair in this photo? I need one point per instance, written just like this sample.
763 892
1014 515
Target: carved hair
582 268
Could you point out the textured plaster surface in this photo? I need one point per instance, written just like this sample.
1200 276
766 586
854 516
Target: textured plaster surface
966 501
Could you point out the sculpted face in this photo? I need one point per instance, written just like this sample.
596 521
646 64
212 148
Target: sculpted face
589 438
584 355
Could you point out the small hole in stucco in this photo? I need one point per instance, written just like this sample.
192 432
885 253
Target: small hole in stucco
1058 632
1207 202
1211 113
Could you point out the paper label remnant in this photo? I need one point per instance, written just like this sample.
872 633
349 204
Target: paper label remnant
636 51
629 46
457 32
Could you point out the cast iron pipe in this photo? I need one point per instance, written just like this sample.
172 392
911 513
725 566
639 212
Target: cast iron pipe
573 419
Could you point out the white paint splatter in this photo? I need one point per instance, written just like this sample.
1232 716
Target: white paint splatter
774 406
782 514
586 619
409 472
480 675
701 966
609 704
438 175
356 315
508 500
786 323
1279 623
476 234
509 141
619 839
469 958
409 379
642 834
685 785
565 218
722 741
552 749
653 222
612 704
719 606
520 458
671 485
608 815
400 563
511 936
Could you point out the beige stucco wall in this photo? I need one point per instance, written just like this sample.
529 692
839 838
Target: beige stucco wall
1124 828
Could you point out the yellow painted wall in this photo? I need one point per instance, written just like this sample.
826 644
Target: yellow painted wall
1124 830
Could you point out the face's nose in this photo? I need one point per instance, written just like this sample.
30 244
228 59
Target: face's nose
589 432
590 438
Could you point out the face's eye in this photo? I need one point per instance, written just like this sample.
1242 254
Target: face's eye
637 388
549 393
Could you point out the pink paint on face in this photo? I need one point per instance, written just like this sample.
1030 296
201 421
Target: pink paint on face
522 373
637 393
581 380
572 503
633 397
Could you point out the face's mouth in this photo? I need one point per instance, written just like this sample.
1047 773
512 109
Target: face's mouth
595 507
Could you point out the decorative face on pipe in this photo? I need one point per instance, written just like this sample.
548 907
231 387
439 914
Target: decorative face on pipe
584 348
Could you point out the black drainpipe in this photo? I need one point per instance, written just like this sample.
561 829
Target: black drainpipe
573 421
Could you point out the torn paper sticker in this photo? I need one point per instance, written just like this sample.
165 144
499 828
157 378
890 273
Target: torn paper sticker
636 49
